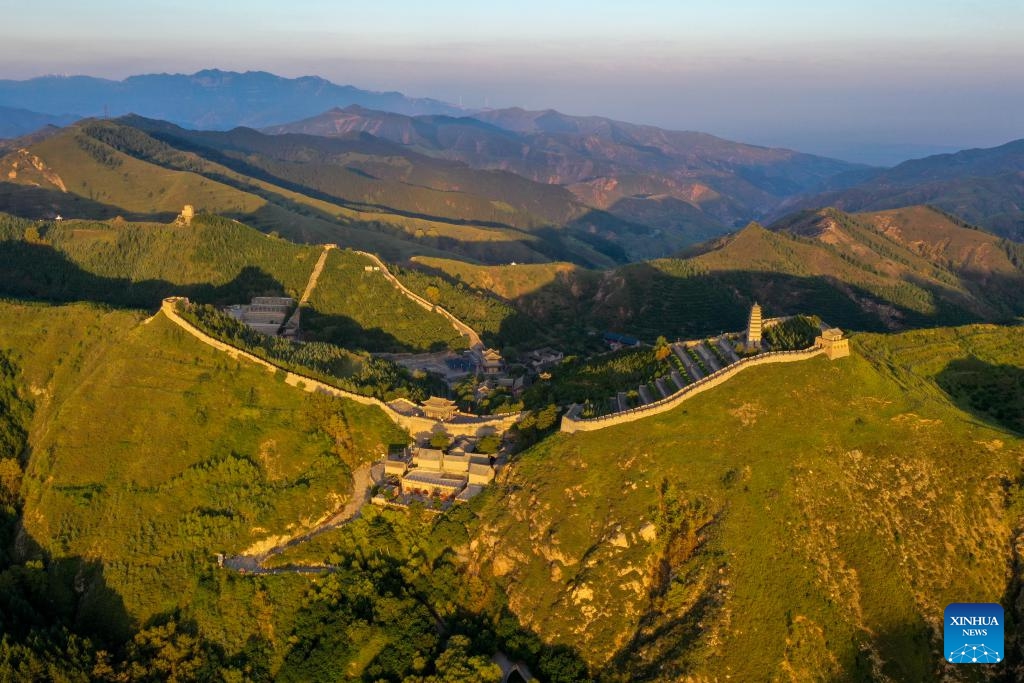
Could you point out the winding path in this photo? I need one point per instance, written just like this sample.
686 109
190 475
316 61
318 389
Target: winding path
362 481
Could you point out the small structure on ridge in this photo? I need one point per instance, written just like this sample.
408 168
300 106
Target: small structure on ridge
834 343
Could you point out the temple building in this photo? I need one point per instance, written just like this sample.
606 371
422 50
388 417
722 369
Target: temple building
430 471
754 327
491 362
437 408
834 343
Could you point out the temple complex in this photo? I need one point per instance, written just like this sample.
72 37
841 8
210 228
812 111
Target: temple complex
491 362
431 471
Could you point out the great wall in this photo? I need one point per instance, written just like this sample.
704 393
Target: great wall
464 424
461 327
405 413
571 423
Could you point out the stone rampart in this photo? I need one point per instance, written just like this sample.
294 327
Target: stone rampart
461 327
571 423
465 424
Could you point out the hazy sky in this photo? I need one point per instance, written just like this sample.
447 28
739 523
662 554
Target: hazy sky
844 78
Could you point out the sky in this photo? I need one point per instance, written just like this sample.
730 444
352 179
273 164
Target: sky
875 81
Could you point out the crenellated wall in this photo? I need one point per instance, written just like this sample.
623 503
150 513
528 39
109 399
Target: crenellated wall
468 425
571 423
461 327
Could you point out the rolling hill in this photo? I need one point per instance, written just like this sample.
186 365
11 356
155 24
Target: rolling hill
982 186
215 261
887 270
682 183
133 455
366 193
720 541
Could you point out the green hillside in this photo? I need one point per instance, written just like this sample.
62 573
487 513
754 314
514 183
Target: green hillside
892 270
138 264
716 540
213 260
148 453
361 309
100 170
365 193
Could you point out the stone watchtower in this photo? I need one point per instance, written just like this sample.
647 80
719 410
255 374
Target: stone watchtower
834 343
754 327
187 214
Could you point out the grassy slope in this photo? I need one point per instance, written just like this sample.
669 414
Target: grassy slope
219 261
508 282
134 185
892 270
210 251
360 309
150 452
819 553
109 181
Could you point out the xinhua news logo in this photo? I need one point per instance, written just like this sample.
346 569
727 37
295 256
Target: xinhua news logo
973 633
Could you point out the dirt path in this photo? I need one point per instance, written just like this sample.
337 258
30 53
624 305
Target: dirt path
362 481
463 328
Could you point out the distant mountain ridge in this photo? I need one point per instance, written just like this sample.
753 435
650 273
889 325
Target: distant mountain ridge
15 122
982 186
638 173
210 98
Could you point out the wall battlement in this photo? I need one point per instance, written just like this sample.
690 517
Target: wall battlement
571 423
465 425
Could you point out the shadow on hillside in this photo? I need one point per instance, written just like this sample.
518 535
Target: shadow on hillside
42 592
646 302
39 272
46 599
993 393
39 203
345 331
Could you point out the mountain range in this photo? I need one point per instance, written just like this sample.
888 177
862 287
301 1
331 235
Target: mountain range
668 179
395 198
641 185
206 99
983 186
